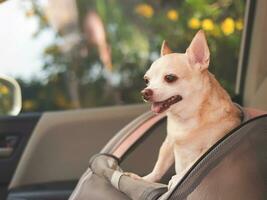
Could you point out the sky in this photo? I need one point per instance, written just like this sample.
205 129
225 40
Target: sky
20 53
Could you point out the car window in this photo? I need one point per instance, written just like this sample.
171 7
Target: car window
69 54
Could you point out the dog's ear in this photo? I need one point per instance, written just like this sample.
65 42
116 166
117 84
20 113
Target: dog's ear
165 49
198 52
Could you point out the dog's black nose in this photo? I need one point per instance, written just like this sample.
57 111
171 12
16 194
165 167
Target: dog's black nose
147 94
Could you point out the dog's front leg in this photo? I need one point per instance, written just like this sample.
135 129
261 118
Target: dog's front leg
164 162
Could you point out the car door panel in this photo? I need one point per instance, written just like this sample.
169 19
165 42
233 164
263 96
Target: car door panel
14 134
62 143
44 191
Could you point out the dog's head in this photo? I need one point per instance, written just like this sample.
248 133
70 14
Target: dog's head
176 77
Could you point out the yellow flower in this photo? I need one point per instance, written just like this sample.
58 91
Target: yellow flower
228 26
172 15
4 90
28 105
239 24
144 10
30 13
194 23
61 101
45 18
216 32
207 25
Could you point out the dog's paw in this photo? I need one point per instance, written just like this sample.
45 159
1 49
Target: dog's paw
174 180
132 175
151 178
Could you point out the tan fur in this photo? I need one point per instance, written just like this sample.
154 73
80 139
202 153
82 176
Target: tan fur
203 116
165 49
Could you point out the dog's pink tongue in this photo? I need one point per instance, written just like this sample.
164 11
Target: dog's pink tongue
156 107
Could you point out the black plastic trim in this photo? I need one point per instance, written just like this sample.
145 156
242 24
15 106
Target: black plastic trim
247 43
21 127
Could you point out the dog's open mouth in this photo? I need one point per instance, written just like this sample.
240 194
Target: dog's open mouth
159 107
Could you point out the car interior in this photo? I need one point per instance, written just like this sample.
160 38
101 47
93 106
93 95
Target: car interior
49 151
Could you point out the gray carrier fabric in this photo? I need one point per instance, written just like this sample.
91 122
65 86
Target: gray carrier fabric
96 183
235 168
94 187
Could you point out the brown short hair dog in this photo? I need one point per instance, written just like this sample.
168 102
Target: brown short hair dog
199 111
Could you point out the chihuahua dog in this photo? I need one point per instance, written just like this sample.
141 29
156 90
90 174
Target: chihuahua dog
199 111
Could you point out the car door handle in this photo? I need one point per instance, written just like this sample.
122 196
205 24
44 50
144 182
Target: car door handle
7 145
5 152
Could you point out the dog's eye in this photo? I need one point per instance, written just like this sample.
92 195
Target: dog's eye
170 78
146 80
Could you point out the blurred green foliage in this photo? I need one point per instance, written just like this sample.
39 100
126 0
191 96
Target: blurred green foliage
6 98
135 31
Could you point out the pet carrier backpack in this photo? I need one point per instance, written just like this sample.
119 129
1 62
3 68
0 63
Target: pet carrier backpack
234 168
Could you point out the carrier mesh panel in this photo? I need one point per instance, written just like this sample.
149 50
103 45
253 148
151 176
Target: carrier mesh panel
235 169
